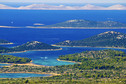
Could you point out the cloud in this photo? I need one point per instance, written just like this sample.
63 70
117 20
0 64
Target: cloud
60 7
47 7
38 24
5 7
63 7
91 7
117 7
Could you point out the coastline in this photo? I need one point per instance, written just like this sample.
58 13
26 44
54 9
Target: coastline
51 74
10 27
42 27
29 64
77 27
6 43
34 73
90 46
69 61
36 50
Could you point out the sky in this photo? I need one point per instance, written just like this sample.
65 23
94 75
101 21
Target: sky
64 4
67 1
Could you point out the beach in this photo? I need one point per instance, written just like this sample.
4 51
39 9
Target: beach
69 61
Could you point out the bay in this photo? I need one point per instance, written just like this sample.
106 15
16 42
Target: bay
50 36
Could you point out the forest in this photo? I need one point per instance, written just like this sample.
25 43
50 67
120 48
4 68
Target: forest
13 59
100 67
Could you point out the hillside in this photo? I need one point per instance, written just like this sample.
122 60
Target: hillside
33 45
13 59
87 23
106 39
91 55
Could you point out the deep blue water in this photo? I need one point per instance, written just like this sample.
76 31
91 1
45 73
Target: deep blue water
47 17
21 75
52 36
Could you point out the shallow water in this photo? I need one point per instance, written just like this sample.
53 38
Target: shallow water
4 64
21 75
48 58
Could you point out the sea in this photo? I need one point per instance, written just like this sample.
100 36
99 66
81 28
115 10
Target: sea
22 18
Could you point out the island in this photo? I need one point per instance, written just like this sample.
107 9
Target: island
97 67
80 23
13 59
2 41
33 45
109 39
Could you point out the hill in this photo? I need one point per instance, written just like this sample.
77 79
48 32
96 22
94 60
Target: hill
91 55
87 23
13 59
106 39
33 45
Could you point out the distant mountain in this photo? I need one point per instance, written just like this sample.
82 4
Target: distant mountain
2 6
87 23
33 45
4 42
64 7
106 39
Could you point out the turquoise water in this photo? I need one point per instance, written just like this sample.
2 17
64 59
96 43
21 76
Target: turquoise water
21 75
52 36
48 58
4 65
1 65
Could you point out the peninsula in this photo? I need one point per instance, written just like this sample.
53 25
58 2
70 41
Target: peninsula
109 39
2 41
33 45
88 24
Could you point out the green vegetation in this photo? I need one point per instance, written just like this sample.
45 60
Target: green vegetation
106 39
103 59
87 23
33 45
13 59
59 80
98 67
4 41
